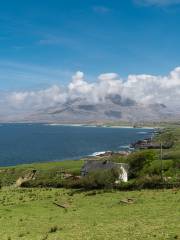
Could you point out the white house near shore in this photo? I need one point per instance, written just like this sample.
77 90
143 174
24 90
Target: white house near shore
91 165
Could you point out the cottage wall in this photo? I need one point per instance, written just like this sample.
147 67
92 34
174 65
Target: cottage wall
124 175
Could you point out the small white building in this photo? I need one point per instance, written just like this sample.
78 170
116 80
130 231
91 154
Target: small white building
97 165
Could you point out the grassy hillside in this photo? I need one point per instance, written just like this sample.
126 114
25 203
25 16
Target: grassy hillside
31 214
49 170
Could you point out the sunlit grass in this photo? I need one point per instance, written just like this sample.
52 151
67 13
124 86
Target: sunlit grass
30 214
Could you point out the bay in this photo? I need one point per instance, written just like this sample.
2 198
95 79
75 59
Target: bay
28 143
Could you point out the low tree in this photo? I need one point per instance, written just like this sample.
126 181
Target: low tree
138 160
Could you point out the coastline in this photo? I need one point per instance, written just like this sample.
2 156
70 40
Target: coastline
97 126
94 125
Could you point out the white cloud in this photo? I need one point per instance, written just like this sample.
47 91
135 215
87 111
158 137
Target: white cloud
141 88
36 99
108 76
158 2
79 87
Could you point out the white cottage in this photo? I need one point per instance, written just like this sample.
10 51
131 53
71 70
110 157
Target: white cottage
96 165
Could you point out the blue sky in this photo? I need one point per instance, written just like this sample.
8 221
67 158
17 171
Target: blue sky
44 42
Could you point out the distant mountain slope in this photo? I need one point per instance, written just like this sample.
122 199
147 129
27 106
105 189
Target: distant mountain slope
112 108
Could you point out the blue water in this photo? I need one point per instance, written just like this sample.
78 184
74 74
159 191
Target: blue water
28 143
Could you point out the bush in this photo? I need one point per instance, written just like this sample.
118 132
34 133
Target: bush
175 155
56 183
126 186
95 180
138 160
140 183
101 179
148 182
154 167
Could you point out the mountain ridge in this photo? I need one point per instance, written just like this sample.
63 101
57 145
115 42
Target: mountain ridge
112 108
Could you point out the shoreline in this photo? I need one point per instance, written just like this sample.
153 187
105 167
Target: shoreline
98 126
81 125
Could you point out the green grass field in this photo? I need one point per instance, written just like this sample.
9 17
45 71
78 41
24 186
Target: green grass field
30 214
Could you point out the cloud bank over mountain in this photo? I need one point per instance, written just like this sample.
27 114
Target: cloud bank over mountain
146 89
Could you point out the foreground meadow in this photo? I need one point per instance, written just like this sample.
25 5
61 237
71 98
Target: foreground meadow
32 214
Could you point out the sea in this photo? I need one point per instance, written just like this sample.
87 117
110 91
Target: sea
28 143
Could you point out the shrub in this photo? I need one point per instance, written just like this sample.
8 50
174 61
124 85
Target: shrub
100 179
126 186
148 182
138 160
154 167
144 182
71 183
175 155
95 180
56 183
